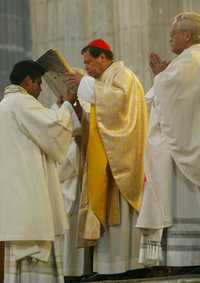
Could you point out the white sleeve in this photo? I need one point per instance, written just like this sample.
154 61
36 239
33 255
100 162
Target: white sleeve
76 125
149 98
86 89
54 107
51 131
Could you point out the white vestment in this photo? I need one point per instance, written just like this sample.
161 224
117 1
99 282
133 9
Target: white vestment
118 248
39 262
68 169
32 214
169 217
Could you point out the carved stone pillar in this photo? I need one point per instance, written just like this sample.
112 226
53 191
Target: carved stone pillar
15 43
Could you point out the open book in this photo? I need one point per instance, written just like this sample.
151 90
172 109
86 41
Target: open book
56 67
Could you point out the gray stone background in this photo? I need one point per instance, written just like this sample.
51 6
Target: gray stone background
15 36
132 27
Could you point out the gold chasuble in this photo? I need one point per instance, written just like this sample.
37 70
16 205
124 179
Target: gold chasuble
97 179
115 152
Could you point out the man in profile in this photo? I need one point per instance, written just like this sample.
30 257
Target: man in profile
32 215
113 176
169 217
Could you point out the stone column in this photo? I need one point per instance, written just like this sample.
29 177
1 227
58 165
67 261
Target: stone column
190 5
15 42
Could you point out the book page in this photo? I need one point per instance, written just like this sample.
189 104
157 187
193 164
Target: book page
56 67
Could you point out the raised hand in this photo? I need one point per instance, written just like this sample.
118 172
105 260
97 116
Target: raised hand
73 80
156 64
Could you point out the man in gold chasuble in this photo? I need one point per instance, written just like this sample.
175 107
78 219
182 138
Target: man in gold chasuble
113 175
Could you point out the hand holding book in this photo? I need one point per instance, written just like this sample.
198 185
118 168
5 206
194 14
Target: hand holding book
57 69
73 80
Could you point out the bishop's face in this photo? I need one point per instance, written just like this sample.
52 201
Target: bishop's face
94 66
179 40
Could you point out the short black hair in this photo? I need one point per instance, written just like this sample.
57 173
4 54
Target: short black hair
26 68
96 52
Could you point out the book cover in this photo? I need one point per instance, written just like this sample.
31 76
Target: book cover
56 66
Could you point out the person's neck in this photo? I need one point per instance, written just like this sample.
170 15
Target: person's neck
107 65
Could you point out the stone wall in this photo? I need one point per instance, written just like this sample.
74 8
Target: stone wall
132 27
15 37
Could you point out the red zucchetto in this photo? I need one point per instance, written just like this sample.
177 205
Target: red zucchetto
100 43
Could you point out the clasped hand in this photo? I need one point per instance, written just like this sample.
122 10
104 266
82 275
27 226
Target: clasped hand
73 80
156 64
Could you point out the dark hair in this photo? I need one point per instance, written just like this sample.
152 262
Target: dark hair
96 52
26 68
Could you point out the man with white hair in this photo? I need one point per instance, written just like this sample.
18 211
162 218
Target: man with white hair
169 217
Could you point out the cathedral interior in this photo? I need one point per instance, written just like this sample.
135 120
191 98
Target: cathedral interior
133 28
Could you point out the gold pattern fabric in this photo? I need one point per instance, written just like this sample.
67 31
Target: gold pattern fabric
97 179
121 115
115 151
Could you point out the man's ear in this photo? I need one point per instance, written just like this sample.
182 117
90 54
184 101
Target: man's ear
102 56
188 36
26 82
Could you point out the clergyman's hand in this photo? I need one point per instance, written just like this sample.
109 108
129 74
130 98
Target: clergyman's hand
71 96
156 64
73 80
